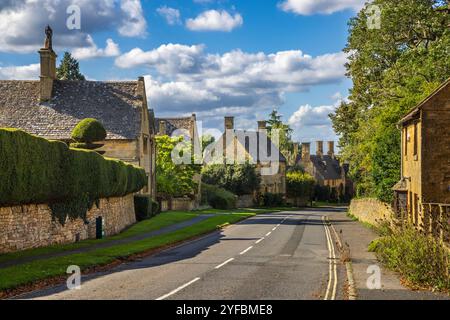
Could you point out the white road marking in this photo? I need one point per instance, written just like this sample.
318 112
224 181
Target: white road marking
331 291
274 229
178 289
259 240
223 264
246 250
268 234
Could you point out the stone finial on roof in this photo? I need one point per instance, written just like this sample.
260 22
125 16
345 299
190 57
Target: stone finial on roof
49 38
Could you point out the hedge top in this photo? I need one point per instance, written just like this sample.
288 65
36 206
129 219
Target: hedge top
36 170
89 131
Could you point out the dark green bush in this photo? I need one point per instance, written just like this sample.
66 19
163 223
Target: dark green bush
89 131
218 198
35 170
145 207
238 179
271 200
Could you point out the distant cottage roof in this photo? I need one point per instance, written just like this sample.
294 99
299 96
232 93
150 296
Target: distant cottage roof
260 137
117 105
328 167
186 124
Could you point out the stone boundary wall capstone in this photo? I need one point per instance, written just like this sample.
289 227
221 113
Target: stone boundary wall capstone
371 211
32 226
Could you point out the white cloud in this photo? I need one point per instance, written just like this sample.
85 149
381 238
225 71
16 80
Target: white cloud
213 20
311 7
134 23
313 123
111 50
238 83
171 15
30 72
23 22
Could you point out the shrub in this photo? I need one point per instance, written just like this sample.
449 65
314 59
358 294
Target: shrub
218 198
89 131
36 170
239 179
271 200
419 258
145 207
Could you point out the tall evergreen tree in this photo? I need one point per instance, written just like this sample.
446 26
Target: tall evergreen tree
285 143
69 69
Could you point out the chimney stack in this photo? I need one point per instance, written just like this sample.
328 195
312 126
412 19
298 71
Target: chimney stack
296 150
262 125
331 148
48 66
229 123
162 128
319 148
306 151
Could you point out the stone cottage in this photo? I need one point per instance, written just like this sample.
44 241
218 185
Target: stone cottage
240 146
51 108
326 169
423 194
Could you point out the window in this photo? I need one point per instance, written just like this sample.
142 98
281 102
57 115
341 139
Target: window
405 133
416 138
269 148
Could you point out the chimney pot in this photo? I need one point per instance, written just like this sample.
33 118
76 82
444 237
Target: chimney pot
262 125
306 151
331 148
229 123
162 128
320 148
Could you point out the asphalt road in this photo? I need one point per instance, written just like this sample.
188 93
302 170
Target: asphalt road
273 256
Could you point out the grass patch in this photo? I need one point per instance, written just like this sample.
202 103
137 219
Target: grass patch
28 273
423 261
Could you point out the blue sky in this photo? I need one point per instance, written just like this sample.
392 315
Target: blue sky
211 57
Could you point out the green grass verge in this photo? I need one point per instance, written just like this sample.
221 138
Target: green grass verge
27 273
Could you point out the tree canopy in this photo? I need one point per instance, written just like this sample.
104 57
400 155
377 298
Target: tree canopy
285 144
173 179
69 69
392 68
239 179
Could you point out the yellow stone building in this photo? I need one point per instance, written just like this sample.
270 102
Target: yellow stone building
423 194
239 146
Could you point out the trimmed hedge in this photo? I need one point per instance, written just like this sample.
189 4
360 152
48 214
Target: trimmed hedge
145 207
36 170
218 198
89 131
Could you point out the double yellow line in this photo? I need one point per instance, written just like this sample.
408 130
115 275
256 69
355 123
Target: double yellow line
332 278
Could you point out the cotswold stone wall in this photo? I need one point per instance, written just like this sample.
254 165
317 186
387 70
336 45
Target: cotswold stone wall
371 211
32 226
179 204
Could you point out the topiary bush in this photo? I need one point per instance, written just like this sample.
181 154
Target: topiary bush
89 131
218 198
36 170
145 207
